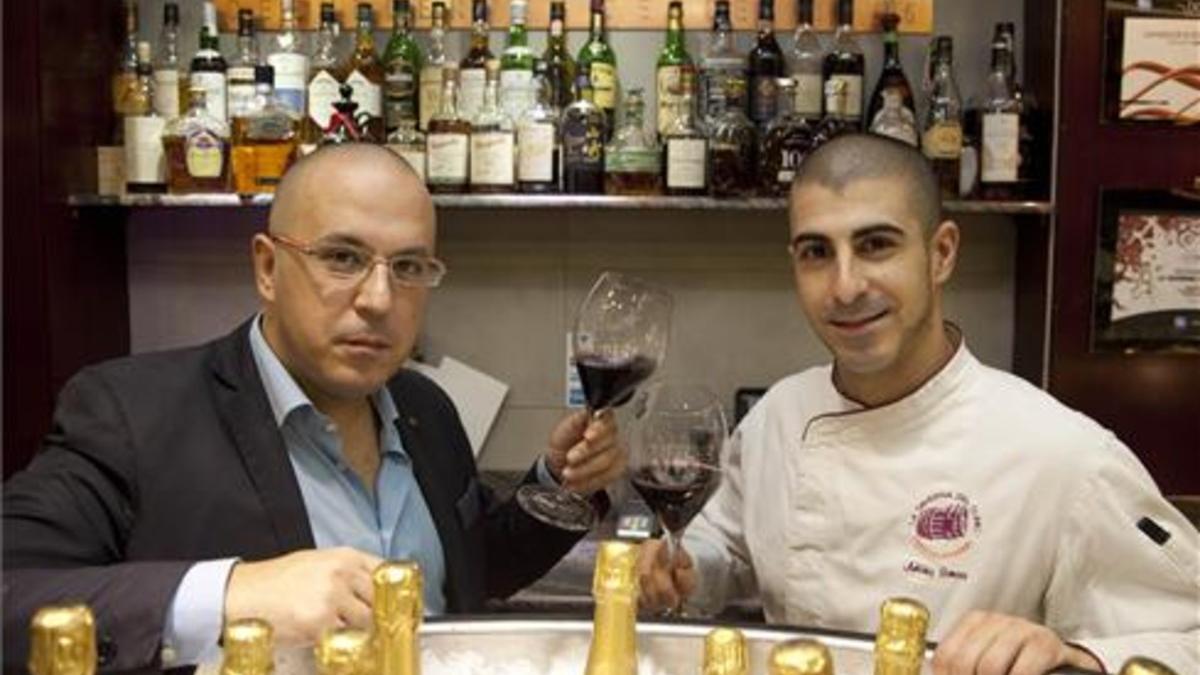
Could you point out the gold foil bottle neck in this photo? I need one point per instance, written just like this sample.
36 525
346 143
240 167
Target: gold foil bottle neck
62 641
399 589
801 656
346 651
249 646
616 568
725 652
1141 665
900 642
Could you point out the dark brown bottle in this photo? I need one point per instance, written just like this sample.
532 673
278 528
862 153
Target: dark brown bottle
787 141
892 111
764 65
844 67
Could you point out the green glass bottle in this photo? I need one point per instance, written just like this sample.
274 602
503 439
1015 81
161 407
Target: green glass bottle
673 62
517 93
598 62
560 67
402 61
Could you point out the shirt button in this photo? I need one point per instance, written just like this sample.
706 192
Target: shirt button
168 656
412 422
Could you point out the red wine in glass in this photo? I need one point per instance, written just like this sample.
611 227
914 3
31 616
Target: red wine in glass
676 492
607 382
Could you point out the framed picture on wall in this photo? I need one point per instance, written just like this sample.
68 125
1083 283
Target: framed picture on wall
1153 62
1147 277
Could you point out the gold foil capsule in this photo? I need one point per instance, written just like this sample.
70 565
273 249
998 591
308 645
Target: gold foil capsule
345 651
725 652
1141 665
62 641
616 568
249 647
900 642
801 656
399 607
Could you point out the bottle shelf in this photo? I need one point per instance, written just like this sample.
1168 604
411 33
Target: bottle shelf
540 201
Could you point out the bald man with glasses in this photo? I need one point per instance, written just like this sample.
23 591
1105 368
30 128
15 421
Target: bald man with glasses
268 472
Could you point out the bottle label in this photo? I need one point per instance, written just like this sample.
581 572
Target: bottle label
809 95
470 93
843 97
241 99
1001 149
144 158
367 95
685 162
535 153
492 155
633 160
516 92
447 158
668 87
763 95
166 93
792 151
604 85
415 156
943 140
401 95
582 143
291 70
213 85
322 94
894 119
204 154
431 93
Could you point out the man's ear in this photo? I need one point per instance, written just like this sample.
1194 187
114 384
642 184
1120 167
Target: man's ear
943 251
263 251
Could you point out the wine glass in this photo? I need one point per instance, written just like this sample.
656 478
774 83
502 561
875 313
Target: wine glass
620 337
675 461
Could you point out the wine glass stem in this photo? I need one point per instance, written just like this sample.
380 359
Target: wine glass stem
674 548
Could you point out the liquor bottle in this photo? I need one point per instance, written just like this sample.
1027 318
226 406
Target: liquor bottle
686 148
537 139
598 62
345 651
287 56
124 78
62 641
1001 130
725 653
448 144
788 139
431 73
409 142
732 144
473 77
145 168
615 588
582 129
168 85
265 138
764 67
398 607
808 67
197 148
347 123
363 71
240 74
516 65
800 656
323 82
719 62
633 160
942 134
900 641
560 67
493 141
674 64
403 62
248 646
844 66
892 111
208 66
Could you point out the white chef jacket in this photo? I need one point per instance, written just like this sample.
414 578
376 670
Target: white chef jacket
977 491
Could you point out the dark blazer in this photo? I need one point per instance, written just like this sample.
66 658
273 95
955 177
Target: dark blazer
157 461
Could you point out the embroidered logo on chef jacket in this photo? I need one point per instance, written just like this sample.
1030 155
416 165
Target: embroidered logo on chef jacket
942 530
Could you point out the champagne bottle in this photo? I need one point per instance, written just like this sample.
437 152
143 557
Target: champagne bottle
615 589
900 642
725 653
801 656
1141 665
249 646
62 641
398 607
345 651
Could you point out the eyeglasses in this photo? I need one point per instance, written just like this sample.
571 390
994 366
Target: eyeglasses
347 265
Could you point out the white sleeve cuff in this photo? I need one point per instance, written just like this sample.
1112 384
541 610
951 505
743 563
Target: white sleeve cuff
193 627
544 476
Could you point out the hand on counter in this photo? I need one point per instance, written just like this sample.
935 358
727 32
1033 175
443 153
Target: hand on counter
303 594
585 454
665 583
988 643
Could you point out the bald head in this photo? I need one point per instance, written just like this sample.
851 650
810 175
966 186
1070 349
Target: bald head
852 158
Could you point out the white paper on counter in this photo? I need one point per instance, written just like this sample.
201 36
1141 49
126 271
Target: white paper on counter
477 395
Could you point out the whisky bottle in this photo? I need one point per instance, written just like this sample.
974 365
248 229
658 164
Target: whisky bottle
145 167
472 79
208 66
892 112
582 129
240 74
633 161
168 85
725 653
537 139
124 77
363 71
784 145
764 67
62 641
197 149
942 134
1000 137
346 124
265 139
560 67
287 56
409 142
598 62
398 609
686 148
323 82
800 656
732 144
431 71
843 73
674 63
403 62
516 65
900 641
345 651
249 648
493 141
808 65
449 140
719 62
615 589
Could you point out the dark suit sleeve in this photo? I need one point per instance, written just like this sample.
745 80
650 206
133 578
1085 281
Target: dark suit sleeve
66 521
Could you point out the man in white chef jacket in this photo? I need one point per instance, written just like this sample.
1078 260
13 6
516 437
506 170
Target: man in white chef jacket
908 468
